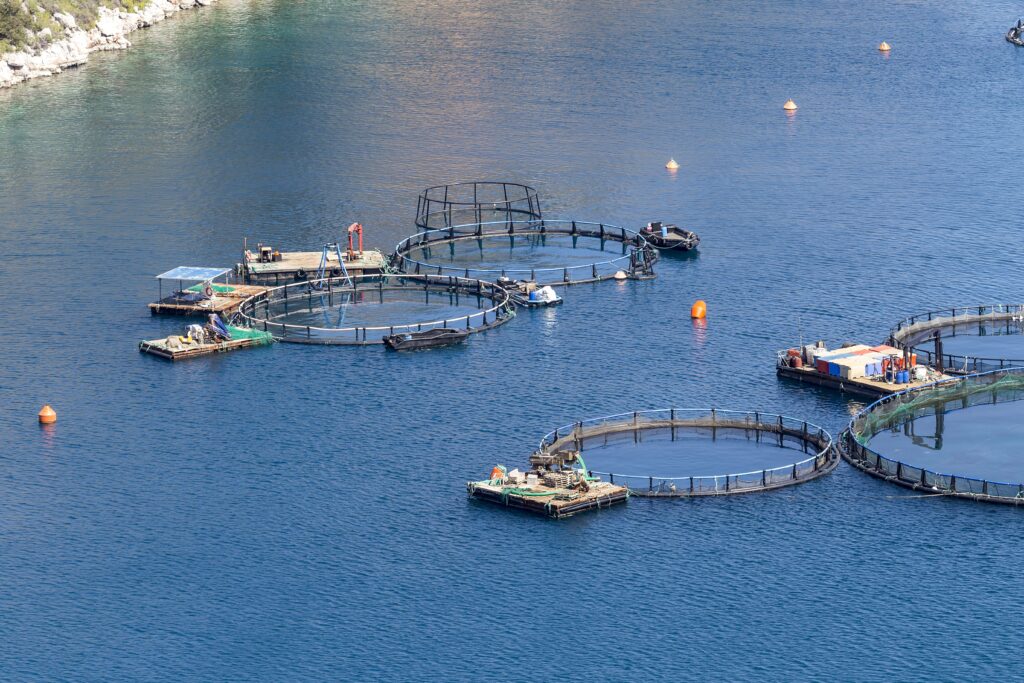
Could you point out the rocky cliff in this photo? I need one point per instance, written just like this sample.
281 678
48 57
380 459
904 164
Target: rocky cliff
53 40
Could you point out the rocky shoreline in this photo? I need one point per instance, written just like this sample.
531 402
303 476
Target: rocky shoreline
73 48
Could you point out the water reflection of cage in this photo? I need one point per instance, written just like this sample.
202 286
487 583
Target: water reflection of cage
899 409
785 432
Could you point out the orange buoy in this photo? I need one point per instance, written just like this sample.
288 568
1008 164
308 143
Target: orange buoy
884 47
672 165
790 105
47 415
699 309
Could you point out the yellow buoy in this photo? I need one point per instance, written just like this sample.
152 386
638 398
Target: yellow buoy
47 415
672 165
790 105
699 309
884 47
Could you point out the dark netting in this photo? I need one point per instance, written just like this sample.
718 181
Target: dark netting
968 339
444 206
903 413
363 310
549 252
789 451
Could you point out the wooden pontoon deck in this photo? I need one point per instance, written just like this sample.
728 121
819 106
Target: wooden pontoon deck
861 386
305 264
159 347
557 503
224 303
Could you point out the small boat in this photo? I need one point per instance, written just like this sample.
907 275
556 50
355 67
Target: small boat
669 237
537 298
1014 34
441 336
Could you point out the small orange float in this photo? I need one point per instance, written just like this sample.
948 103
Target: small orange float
699 309
47 415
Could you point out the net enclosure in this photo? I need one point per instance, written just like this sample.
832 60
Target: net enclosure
899 411
363 310
955 339
488 201
548 252
805 450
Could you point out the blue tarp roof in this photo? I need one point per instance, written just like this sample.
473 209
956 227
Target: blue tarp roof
192 273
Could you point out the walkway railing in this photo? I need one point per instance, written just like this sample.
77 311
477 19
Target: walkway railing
638 257
915 331
258 311
778 430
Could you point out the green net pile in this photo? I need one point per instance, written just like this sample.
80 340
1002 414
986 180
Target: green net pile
914 404
247 333
220 289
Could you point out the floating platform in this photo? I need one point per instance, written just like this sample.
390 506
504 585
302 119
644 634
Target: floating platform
550 501
288 266
669 237
860 386
225 300
162 349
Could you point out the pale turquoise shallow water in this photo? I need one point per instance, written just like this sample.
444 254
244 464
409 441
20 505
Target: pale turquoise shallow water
294 513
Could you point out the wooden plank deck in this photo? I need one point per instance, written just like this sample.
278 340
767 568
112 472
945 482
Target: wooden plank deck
861 386
221 302
292 263
158 347
601 495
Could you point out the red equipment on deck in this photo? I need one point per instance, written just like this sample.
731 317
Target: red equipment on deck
355 228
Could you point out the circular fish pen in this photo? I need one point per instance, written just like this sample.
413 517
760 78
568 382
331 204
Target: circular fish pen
444 206
965 340
363 310
786 451
945 438
548 252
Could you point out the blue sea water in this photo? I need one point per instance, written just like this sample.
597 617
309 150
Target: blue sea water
297 513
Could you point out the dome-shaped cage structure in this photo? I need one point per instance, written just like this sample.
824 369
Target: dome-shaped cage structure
926 334
474 202
817 456
899 411
292 313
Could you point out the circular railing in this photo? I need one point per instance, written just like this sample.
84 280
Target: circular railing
899 408
443 206
637 261
779 430
918 329
256 311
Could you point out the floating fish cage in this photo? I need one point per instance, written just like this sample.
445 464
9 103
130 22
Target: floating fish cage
363 310
807 450
930 335
920 416
445 206
548 252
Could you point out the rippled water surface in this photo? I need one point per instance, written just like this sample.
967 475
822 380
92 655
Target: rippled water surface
299 513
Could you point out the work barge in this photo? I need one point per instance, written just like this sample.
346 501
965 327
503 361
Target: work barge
267 265
857 369
553 489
